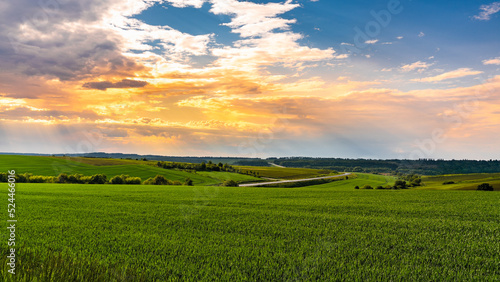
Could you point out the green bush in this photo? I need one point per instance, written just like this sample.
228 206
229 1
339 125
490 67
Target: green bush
98 179
230 183
75 178
22 178
485 187
4 177
356 187
133 180
367 187
117 179
188 182
85 179
157 180
42 179
400 184
62 178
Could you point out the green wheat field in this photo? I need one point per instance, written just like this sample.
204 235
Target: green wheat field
327 232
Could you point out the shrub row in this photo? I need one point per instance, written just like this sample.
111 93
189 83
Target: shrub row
92 179
161 180
28 178
380 187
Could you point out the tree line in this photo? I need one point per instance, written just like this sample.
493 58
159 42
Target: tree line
393 166
209 166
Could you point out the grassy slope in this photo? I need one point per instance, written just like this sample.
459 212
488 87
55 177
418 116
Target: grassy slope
52 166
103 161
223 176
284 173
231 234
462 181
359 179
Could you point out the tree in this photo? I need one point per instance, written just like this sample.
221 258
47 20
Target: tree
62 178
117 179
98 179
188 182
485 187
132 180
158 180
400 184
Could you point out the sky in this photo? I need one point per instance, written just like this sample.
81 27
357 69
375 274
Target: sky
384 79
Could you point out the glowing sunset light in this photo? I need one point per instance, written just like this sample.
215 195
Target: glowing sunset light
209 77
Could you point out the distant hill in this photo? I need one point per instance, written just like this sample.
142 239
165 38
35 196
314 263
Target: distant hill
395 166
390 166
180 159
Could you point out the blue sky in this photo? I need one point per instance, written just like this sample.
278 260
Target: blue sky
252 78
442 33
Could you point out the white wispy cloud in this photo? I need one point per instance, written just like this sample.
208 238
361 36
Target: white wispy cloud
421 66
494 61
187 3
449 75
373 41
487 11
270 49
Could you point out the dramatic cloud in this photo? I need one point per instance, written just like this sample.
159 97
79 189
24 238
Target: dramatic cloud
257 68
64 40
487 11
125 83
449 75
270 49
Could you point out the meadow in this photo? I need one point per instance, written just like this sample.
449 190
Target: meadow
318 233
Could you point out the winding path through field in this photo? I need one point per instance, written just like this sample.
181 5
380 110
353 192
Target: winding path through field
291 181
275 165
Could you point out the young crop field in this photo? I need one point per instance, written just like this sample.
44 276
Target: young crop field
461 181
359 179
284 173
318 233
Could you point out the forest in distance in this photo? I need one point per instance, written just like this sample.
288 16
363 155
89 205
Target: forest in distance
382 166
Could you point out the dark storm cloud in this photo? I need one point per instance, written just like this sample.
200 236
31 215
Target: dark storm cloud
125 83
